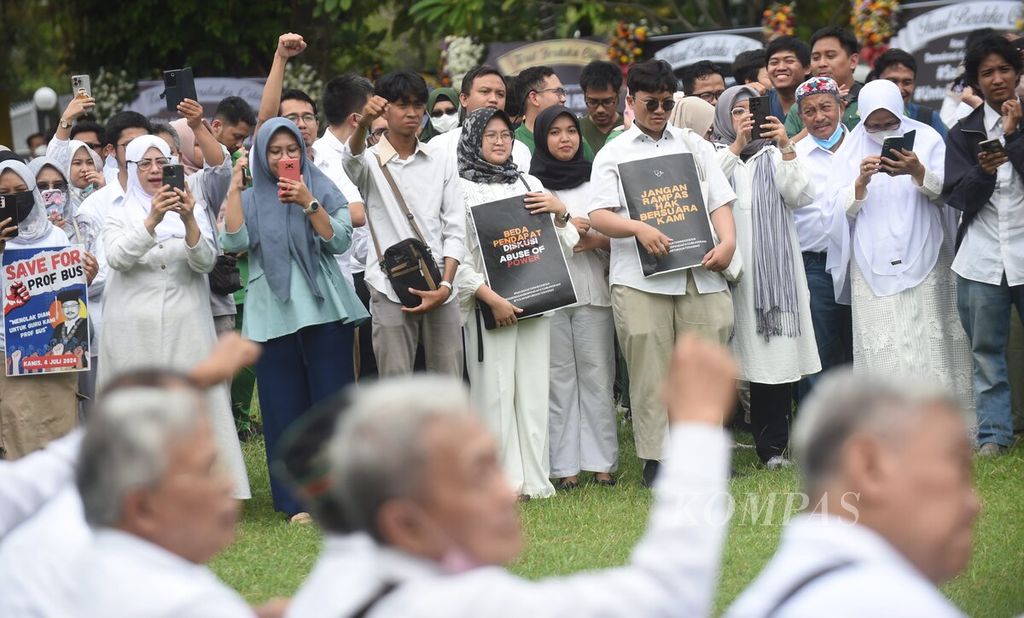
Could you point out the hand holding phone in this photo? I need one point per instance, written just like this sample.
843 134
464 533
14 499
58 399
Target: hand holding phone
179 84
289 168
174 175
993 154
896 144
81 86
759 108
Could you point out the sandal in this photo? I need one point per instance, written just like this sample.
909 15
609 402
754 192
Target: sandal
569 483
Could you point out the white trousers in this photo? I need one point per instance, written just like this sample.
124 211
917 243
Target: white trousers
582 424
509 388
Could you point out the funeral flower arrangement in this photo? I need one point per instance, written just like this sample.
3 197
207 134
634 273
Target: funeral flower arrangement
874 23
112 91
625 45
459 54
778 20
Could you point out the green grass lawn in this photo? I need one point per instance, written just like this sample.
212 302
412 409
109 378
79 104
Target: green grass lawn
595 526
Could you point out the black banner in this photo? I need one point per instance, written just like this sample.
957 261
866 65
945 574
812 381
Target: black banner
523 262
664 192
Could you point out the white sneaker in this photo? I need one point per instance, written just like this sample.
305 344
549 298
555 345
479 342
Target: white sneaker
778 462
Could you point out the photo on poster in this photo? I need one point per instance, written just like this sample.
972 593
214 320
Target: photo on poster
664 192
523 260
46 313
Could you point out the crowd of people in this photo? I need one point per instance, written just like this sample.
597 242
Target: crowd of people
899 273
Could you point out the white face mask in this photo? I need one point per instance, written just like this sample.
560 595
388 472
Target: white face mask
881 136
173 159
445 123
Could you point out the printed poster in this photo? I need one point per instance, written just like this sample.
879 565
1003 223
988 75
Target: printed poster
523 261
665 193
46 315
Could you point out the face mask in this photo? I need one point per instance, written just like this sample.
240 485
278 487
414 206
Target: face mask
827 144
89 188
173 159
881 136
54 200
445 123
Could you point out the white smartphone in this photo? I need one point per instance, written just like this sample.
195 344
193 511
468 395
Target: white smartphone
81 85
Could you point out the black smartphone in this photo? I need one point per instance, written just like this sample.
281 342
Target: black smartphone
16 207
901 142
993 146
179 84
760 108
246 177
174 175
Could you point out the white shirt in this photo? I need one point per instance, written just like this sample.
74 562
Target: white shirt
37 559
448 144
99 207
634 145
812 222
672 571
122 575
589 269
28 483
431 191
328 155
994 241
880 581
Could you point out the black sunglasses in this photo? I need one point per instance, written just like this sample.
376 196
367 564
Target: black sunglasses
652 105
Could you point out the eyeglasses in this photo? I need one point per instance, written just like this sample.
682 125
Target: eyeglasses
94 146
146 164
712 96
379 133
665 104
560 92
498 136
306 118
437 113
46 186
609 102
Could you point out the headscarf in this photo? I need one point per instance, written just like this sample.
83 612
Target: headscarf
68 210
137 200
897 223
693 113
776 307
35 226
472 165
447 92
552 173
188 145
280 233
79 195
724 132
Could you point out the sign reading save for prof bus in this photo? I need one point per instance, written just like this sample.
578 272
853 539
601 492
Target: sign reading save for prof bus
46 317
664 192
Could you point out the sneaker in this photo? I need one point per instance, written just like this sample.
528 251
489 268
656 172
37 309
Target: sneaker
777 463
991 449
301 519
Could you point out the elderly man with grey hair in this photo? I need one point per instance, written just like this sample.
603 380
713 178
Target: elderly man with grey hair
419 480
886 466
161 506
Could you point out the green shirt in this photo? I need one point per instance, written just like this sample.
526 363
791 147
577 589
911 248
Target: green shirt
794 124
594 137
268 317
526 136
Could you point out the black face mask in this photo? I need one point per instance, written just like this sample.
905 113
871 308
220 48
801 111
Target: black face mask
17 206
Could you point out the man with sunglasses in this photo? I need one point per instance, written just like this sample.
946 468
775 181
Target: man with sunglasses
540 89
652 312
601 82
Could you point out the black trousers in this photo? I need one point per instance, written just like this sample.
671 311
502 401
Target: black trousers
771 406
367 362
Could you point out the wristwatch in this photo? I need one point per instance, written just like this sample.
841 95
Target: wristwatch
313 207
446 284
566 217
789 149
64 124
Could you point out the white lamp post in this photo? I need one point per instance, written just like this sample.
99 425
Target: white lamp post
45 100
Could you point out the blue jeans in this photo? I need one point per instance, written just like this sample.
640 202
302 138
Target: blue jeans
832 321
985 315
295 372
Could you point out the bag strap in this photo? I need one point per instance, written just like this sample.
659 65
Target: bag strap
373 235
801 584
386 589
401 201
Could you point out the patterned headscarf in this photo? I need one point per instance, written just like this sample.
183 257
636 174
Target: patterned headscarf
472 165
817 85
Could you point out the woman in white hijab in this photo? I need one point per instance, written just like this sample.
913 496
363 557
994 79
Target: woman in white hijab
156 304
34 409
891 247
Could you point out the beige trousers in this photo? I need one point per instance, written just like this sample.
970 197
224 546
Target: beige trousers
35 409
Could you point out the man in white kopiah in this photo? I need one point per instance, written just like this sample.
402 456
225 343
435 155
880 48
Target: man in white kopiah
160 504
434 519
886 465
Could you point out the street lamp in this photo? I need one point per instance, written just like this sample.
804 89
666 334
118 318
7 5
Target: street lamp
45 100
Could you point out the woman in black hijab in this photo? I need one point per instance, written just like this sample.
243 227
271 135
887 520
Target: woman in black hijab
582 422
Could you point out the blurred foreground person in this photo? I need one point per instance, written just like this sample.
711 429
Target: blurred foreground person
886 466
434 521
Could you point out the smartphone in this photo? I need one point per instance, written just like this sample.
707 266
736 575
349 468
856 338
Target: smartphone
81 86
288 168
16 207
760 108
179 84
174 175
902 142
246 177
993 147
